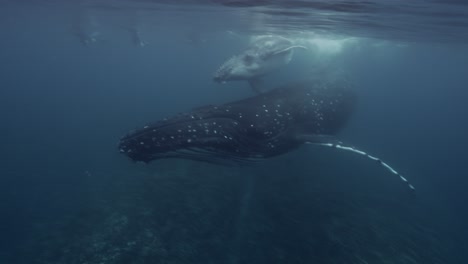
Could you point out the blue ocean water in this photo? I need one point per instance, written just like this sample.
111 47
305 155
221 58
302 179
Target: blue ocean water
76 76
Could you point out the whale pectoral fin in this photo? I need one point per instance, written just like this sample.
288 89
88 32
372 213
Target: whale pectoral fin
273 54
288 49
256 85
287 53
299 47
322 140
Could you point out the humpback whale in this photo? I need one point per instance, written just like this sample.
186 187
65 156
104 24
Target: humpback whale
265 55
252 129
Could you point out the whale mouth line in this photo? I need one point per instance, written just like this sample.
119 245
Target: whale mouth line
216 157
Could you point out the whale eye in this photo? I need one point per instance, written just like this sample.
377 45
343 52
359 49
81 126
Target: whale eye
248 59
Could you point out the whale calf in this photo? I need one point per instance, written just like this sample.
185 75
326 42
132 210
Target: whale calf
252 129
266 54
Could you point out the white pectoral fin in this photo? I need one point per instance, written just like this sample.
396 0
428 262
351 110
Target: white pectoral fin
330 141
299 47
288 49
284 55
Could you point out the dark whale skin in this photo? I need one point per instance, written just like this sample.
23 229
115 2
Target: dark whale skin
251 129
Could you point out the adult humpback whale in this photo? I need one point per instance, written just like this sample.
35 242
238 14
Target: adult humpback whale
265 55
252 129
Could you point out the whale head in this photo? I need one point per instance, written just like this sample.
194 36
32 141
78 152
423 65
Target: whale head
264 55
239 67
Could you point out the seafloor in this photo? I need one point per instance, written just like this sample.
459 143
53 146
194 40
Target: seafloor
179 211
